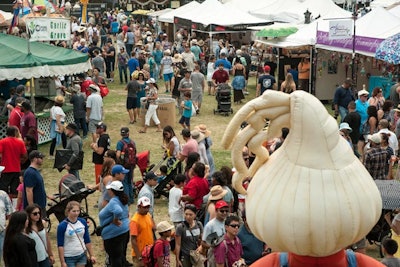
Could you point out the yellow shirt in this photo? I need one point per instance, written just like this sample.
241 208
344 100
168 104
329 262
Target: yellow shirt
141 226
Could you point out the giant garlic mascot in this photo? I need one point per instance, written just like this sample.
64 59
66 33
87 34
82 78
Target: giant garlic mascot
312 197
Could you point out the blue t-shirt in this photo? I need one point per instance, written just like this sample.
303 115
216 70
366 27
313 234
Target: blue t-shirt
187 113
114 27
266 81
252 247
158 55
33 178
227 64
114 209
361 108
133 64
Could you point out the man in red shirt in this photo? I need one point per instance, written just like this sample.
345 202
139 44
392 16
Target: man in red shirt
220 75
28 121
16 114
12 153
197 187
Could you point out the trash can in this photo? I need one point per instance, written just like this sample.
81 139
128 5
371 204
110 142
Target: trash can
166 111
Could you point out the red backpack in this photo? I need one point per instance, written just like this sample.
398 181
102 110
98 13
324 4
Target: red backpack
128 154
148 255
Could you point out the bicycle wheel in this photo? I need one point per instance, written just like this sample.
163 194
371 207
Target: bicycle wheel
91 223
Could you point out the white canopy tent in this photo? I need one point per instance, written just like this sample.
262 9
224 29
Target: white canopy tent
383 3
169 17
395 10
306 35
249 4
293 10
158 13
209 12
370 32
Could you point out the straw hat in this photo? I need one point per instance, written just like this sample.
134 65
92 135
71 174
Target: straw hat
203 129
139 43
59 99
217 192
164 226
200 43
177 58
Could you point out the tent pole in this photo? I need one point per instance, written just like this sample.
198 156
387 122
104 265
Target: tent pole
32 89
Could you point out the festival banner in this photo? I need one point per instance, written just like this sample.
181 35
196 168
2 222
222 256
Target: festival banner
48 29
340 29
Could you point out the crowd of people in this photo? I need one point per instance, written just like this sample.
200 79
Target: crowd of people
207 215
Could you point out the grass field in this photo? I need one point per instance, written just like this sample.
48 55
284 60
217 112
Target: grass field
117 117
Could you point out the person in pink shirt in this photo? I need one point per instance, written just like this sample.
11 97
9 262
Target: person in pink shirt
190 146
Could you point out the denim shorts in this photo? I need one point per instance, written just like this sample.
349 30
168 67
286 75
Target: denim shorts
76 260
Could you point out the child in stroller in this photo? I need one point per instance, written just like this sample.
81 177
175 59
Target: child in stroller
70 188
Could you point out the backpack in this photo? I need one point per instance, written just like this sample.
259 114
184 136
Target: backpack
350 255
129 159
148 255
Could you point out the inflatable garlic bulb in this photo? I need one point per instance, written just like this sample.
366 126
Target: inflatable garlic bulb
312 196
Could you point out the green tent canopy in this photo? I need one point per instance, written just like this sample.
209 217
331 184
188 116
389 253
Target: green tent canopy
44 60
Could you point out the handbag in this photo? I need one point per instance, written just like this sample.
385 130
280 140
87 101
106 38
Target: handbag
196 258
89 262
99 229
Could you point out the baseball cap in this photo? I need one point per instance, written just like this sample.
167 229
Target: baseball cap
118 169
375 138
151 80
35 154
144 202
124 131
115 185
101 125
94 87
150 175
363 92
267 68
220 204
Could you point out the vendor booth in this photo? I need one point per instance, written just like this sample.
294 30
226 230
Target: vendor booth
39 65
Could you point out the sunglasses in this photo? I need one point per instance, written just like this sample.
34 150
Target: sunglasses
35 213
235 225
224 211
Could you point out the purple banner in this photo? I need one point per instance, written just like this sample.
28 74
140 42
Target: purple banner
365 44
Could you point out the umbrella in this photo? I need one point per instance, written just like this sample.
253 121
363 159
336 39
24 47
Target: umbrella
390 193
141 12
388 50
276 32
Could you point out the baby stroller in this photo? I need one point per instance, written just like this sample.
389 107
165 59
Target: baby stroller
70 188
174 166
224 99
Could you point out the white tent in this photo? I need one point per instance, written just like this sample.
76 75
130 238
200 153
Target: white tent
169 17
370 32
383 3
248 4
395 10
306 35
216 13
158 13
293 10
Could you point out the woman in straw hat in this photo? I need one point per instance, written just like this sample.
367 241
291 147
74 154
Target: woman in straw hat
217 192
202 128
57 117
199 137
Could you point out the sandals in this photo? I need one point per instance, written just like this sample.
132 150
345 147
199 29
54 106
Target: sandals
141 131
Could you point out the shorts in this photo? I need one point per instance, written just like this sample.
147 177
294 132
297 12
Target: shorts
131 102
185 121
168 76
9 182
210 84
76 260
197 96
92 125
